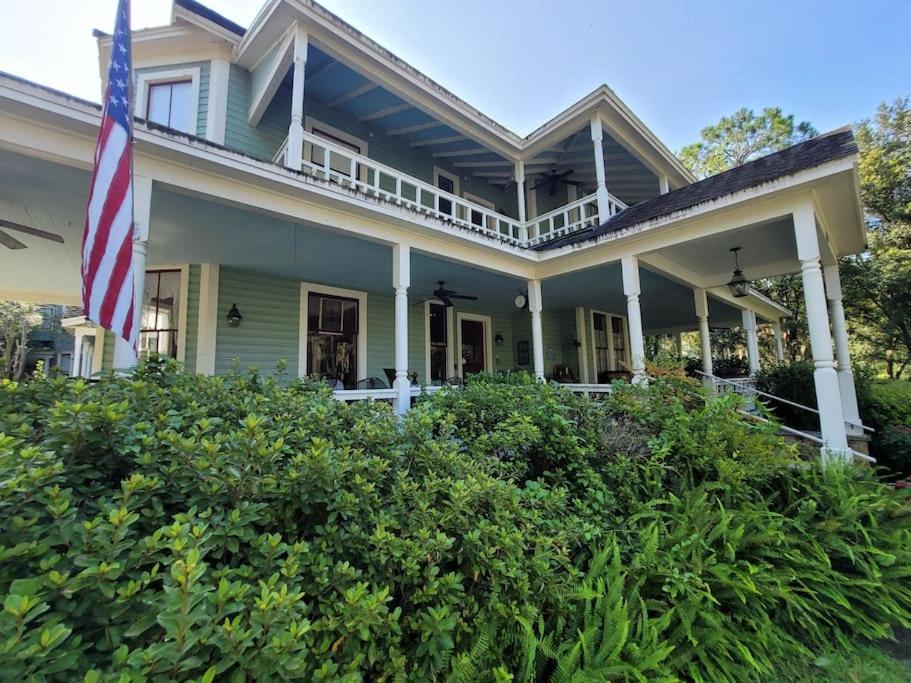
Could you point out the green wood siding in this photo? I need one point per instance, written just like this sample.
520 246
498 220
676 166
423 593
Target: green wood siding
264 140
270 328
203 108
568 351
551 328
192 317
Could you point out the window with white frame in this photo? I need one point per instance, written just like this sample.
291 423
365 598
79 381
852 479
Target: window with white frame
169 98
448 182
160 321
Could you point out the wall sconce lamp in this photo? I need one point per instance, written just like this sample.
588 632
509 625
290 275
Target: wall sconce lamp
577 343
234 316
498 339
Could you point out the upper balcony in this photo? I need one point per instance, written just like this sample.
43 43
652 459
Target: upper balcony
310 92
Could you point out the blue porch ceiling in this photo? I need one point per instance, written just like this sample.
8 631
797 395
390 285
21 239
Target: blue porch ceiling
342 89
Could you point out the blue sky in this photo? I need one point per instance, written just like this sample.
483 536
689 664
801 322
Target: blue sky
678 65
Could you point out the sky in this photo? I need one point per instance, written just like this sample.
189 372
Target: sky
679 65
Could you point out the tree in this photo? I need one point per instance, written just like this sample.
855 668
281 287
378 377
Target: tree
742 137
17 319
735 140
876 284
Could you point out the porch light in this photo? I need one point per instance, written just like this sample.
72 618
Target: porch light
498 339
234 316
738 285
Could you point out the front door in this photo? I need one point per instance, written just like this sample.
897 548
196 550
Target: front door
472 337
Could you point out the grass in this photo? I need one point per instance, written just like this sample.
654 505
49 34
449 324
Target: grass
864 664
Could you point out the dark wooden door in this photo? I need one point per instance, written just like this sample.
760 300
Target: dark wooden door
472 347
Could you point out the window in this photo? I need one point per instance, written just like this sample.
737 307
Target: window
448 183
619 340
158 326
170 104
169 97
337 162
477 218
439 336
602 346
332 335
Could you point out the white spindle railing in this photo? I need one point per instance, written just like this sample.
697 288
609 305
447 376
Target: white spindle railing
337 164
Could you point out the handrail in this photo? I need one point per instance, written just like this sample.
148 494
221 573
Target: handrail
563 220
373 177
345 167
754 390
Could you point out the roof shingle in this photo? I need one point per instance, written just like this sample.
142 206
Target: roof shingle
827 147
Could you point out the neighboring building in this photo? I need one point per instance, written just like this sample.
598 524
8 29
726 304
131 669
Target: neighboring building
300 175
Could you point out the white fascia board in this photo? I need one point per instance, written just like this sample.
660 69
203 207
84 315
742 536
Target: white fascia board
276 70
181 13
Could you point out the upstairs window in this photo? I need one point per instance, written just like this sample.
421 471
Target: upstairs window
169 104
170 97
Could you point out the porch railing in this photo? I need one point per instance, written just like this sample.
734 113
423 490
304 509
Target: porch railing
568 219
337 164
380 394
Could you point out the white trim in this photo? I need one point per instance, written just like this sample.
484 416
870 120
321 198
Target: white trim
148 78
450 367
488 342
438 172
480 200
98 351
582 351
308 288
310 123
183 299
217 108
207 325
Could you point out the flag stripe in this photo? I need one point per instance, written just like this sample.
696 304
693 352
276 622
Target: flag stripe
108 281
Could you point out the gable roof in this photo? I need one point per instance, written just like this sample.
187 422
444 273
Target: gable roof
211 15
830 146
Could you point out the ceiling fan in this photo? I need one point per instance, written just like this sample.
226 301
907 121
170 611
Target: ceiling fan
445 296
551 178
11 242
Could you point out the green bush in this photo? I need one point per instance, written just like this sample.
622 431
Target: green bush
168 526
885 405
794 382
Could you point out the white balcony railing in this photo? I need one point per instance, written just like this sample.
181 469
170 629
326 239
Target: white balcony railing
568 219
337 164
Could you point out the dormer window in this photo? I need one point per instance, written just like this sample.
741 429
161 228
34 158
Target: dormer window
169 98
169 104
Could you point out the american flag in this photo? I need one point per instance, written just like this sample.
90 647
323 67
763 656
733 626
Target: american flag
108 295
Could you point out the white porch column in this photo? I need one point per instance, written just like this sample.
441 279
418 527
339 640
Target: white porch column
631 288
828 394
752 339
401 279
125 355
207 326
779 341
603 197
294 152
537 332
76 363
520 198
582 338
702 314
842 354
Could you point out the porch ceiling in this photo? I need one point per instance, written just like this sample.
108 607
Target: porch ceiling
340 88
627 177
665 304
50 197
766 249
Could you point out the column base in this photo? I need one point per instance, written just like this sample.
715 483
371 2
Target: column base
831 418
403 400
